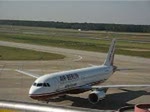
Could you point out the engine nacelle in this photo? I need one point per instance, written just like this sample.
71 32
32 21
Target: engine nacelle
95 96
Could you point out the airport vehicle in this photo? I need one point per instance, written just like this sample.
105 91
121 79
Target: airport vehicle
77 81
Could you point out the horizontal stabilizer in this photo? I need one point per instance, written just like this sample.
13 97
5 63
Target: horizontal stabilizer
124 69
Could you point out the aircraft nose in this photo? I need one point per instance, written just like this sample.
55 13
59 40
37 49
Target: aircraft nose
33 92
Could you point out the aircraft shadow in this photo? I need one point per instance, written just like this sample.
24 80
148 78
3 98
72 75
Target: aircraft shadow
111 102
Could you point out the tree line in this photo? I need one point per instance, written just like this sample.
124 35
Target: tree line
82 26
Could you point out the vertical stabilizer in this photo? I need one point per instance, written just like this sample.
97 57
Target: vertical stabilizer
110 56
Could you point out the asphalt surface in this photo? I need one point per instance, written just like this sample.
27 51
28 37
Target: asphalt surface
15 86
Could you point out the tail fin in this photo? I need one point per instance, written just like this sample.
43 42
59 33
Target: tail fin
110 56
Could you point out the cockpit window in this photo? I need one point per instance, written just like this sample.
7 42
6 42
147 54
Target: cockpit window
48 85
45 85
41 84
34 84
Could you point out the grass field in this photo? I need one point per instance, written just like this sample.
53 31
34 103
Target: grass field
9 53
84 40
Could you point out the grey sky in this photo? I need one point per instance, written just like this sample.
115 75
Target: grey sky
124 12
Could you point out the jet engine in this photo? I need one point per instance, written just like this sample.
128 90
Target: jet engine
95 96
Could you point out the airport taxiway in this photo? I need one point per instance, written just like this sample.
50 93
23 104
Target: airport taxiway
15 86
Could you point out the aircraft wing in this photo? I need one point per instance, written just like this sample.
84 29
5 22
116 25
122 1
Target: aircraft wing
119 86
27 73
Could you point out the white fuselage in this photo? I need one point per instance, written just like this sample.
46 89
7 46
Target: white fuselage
60 83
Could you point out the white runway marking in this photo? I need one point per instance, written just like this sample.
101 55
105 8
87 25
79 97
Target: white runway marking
79 58
9 69
92 65
6 69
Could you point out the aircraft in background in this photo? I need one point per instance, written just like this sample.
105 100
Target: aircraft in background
77 81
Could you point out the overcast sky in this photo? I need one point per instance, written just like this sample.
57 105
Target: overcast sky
124 12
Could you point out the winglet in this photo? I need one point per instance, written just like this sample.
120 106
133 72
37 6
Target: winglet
110 56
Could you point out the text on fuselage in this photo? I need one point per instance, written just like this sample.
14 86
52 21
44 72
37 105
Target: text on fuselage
69 77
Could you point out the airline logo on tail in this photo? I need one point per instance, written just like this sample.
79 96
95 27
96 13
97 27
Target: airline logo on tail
110 56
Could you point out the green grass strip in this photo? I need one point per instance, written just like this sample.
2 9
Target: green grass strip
11 53
78 40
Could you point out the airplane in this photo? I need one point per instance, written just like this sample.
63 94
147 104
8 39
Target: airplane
77 81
